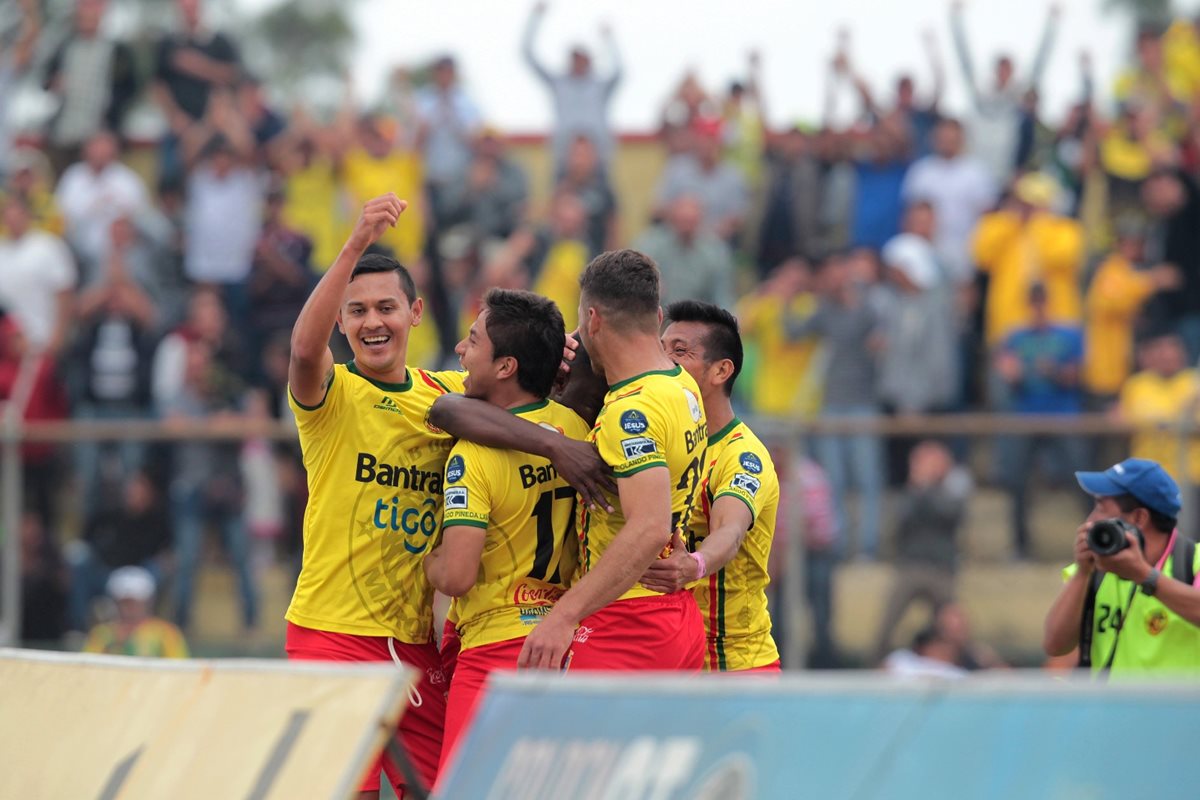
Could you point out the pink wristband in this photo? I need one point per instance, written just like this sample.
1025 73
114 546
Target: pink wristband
699 557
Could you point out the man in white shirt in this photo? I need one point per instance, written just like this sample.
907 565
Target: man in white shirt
37 278
223 217
960 188
96 192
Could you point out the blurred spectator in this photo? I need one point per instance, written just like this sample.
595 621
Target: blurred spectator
264 500
379 162
223 216
449 123
206 487
489 204
280 277
953 626
131 530
118 327
1162 395
314 202
189 66
1129 149
960 189
30 178
785 381
135 631
1172 200
849 327
94 80
880 162
29 380
266 125
822 541
743 124
930 513
931 655
584 177
995 122
207 321
14 61
1148 83
1040 365
37 279
1026 243
581 97
791 213
95 192
1120 287
43 582
918 371
686 106
703 174
695 263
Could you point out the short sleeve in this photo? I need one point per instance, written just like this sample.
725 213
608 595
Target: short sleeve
468 491
632 436
739 473
311 418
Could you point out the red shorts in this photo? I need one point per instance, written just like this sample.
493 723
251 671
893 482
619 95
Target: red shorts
466 690
773 667
665 632
450 646
420 727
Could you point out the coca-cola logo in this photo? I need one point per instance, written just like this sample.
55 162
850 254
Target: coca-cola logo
528 595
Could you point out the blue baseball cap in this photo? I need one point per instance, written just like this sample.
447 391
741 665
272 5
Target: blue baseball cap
1140 477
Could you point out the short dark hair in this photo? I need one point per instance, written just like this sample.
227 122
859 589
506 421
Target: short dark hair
529 328
1161 522
624 283
723 339
372 263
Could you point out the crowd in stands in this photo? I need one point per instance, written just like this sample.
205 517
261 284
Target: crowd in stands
920 260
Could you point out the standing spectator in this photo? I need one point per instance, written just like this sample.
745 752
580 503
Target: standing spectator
133 531
584 177
997 111
94 193
378 162
581 98
118 324
931 511
1120 288
207 321
785 381
1040 363
791 213
315 203
30 178
919 368
1172 200
37 279
189 66
135 631
281 276
205 481
14 60
743 124
959 188
266 125
489 205
94 80
1157 399
224 206
849 327
703 174
1023 244
448 124
695 263
43 582
881 159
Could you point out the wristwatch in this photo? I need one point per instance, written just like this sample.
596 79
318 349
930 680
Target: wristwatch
1150 585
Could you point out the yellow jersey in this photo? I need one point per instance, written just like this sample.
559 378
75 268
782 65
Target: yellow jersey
401 172
152 638
1149 399
733 600
374 468
531 550
787 380
559 278
651 420
1117 294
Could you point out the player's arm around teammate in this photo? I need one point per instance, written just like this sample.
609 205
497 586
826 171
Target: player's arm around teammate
311 364
729 521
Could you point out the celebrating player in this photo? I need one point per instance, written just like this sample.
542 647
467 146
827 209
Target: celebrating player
652 432
728 544
509 546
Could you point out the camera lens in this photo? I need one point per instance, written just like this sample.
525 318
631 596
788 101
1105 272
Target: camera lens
1107 537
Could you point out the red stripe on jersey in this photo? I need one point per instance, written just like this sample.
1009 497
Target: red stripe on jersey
714 662
632 393
435 384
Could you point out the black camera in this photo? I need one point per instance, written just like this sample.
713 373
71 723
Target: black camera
1107 536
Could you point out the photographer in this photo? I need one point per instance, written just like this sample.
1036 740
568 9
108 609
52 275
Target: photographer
1131 602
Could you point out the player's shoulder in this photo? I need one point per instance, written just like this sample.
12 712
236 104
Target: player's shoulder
741 451
564 420
445 381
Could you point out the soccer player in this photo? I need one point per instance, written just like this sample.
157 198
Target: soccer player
375 482
728 544
652 432
509 547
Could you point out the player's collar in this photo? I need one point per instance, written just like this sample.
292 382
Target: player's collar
721 434
671 372
534 406
387 387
